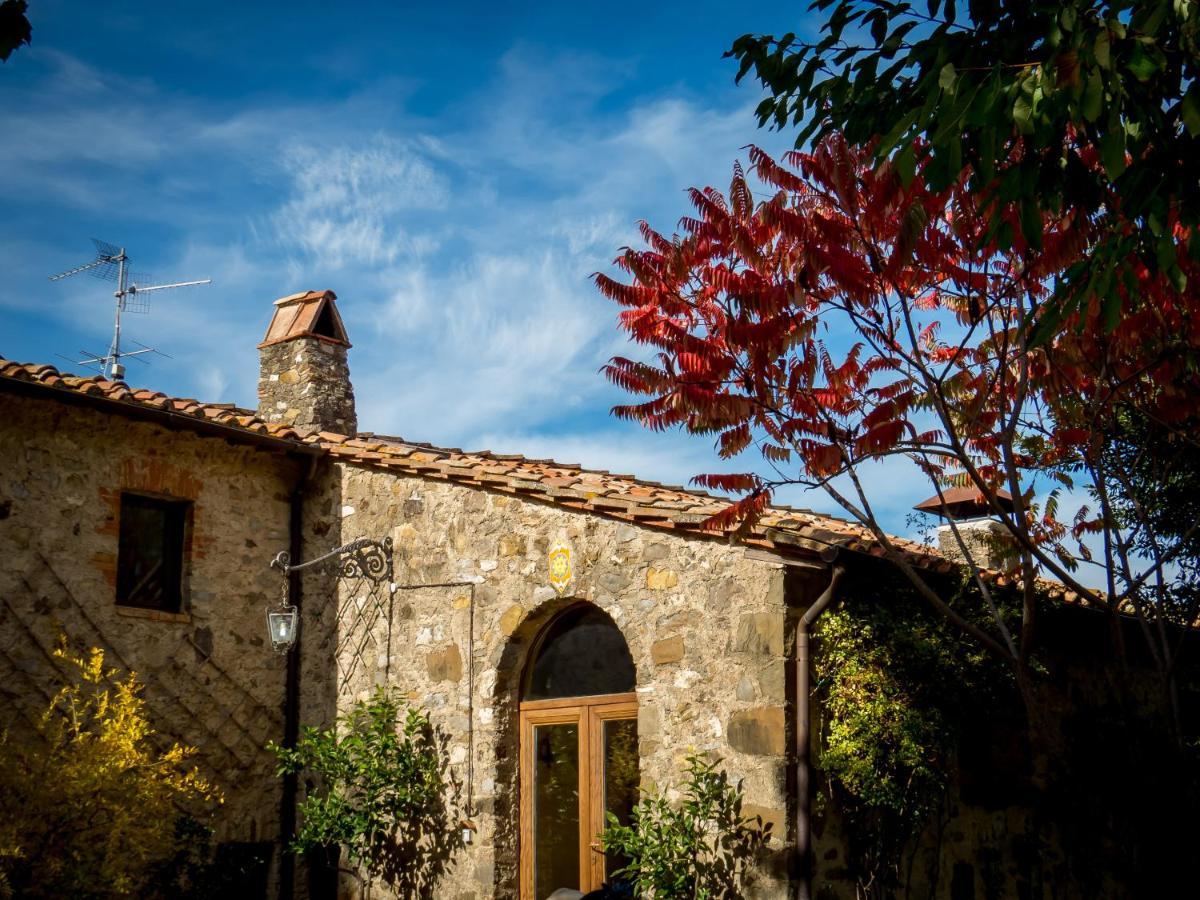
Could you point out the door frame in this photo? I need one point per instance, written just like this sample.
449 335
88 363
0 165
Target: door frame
589 713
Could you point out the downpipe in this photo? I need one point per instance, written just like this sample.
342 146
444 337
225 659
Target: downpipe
803 729
291 702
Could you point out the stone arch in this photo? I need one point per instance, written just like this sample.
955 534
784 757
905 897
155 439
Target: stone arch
511 668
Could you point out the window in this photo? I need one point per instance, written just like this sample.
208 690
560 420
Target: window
150 553
579 756
581 653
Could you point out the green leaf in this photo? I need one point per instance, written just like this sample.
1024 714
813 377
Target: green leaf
1150 18
1004 235
1165 252
954 160
1046 324
1112 152
1102 49
878 25
1093 97
1112 307
889 141
1189 110
906 164
1022 112
947 78
987 153
1141 64
1031 221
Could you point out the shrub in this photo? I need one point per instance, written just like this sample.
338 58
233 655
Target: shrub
898 689
88 806
379 791
697 849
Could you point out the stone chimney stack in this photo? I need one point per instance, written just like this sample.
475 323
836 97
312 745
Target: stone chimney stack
987 541
304 378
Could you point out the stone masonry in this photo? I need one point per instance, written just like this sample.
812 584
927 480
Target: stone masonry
211 680
986 540
290 386
705 625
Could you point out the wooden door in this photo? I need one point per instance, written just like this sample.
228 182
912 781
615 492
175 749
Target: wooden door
578 759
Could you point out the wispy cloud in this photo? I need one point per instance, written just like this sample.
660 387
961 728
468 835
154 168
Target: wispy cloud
498 340
348 202
461 246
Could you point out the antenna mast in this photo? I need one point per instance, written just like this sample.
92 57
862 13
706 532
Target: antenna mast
111 264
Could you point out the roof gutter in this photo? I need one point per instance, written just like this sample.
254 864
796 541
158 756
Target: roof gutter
804 729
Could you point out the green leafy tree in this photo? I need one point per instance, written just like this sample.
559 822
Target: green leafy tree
89 805
898 689
1152 486
380 792
697 849
1021 95
15 29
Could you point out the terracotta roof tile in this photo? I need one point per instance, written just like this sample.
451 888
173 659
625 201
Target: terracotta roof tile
618 496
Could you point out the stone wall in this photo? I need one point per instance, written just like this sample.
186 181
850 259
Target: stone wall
705 626
305 382
211 680
988 543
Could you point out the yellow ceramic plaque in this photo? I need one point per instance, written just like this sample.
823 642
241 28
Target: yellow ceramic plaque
560 567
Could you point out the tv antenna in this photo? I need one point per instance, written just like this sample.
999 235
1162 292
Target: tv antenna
112 264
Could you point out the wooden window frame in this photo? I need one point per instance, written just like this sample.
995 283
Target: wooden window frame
589 714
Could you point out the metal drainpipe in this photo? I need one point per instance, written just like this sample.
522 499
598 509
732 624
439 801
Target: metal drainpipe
291 702
803 712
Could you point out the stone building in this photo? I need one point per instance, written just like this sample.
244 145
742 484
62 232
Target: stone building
545 615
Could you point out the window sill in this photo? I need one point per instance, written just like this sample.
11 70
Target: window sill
154 615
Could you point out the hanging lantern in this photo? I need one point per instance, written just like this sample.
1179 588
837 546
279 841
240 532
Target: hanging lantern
362 558
283 624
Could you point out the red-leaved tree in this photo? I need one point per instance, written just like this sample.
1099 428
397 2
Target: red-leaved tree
849 319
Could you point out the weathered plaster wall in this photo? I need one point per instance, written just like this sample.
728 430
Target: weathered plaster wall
210 681
704 623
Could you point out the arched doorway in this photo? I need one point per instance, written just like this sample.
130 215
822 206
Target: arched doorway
579 754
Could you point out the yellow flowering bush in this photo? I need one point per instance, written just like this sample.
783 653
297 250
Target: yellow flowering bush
89 804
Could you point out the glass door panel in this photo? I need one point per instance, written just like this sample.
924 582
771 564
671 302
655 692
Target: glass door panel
579 760
620 761
555 808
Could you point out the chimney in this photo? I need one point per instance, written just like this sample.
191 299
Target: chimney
304 378
987 541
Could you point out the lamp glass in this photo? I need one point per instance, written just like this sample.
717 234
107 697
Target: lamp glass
282 627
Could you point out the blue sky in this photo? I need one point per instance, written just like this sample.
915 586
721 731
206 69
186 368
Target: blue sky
454 171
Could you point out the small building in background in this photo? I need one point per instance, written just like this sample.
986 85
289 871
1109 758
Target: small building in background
972 534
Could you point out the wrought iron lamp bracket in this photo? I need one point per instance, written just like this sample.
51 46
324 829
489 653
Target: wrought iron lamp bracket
363 558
